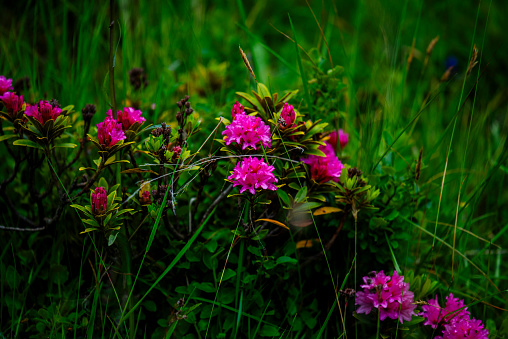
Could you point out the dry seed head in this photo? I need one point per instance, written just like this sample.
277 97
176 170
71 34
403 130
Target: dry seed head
411 54
432 44
473 61
247 64
446 74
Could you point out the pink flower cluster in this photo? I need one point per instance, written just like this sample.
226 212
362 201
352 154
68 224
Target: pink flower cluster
253 174
12 102
43 111
390 295
287 116
127 117
323 169
456 324
99 200
247 130
5 85
343 139
109 132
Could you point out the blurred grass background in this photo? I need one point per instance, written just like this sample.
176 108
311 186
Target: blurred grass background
192 47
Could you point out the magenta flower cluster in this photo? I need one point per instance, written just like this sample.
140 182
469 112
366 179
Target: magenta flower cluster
390 295
5 85
43 111
343 139
455 324
12 102
128 117
324 169
109 132
252 174
99 200
247 130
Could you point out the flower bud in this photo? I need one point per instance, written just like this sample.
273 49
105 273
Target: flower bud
99 201
287 115
88 112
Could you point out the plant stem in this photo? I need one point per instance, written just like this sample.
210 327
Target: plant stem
112 59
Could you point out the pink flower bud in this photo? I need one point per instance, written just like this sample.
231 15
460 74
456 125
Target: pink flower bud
237 109
99 201
287 116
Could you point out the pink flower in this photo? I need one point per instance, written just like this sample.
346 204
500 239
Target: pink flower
435 314
248 131
253 174
99 200
109 132
465 328
43 111
287 116
454 325
128 117
145 198
343 139
323 169
388 294
5 85
13 103
237 109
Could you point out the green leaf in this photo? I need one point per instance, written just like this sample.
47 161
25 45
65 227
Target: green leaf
301 196
59 274
12 277
150 305
315 151
65 145
81 208
284 197
7 136
228 273
284 259
269 331
90 229
91 222
27 143
112 238
205 287
395 263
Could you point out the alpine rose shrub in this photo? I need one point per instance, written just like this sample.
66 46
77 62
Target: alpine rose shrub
252 174
109 132
455 324
388 294
43 111
248 131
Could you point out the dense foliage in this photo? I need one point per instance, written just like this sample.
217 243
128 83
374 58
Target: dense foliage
353 188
